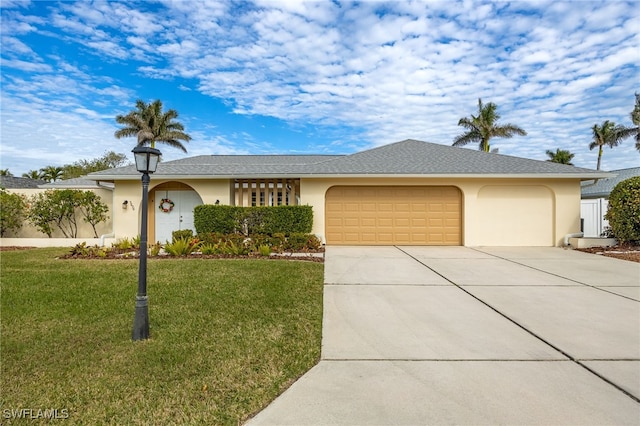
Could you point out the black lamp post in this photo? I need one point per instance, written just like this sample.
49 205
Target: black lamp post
146 163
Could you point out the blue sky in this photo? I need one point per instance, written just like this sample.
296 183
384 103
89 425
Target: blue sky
275 77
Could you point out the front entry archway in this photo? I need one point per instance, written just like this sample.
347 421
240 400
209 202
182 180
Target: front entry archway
179 216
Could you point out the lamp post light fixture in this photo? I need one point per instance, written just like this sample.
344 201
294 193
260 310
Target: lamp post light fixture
146 163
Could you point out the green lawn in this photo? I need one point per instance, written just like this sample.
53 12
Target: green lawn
227 336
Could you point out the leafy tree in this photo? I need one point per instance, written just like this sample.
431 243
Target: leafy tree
150 125
12 211
483 127
59 209
561 156
33 174
93 210
109 160
608 134
5 172
41 213
52 173
623 212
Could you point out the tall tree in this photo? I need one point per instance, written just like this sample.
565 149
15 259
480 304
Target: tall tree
52 173
482 127
5 172
33 174
608 134
635 119
561 156
109 160
150 125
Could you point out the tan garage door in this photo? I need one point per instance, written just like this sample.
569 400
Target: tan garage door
393 215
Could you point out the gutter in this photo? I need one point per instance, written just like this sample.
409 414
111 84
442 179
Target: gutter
158 176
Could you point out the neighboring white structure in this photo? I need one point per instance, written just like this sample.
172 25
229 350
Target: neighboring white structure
595 201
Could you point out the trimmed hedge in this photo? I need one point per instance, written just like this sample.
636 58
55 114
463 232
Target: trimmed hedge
623 213
253 220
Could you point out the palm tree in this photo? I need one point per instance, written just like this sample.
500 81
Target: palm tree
561 156
32 174
608 134
52 173
150 125
5 172
635 119
484 127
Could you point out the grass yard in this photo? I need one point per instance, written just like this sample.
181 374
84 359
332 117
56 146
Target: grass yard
227 336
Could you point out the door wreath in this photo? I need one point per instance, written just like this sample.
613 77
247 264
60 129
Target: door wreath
166 205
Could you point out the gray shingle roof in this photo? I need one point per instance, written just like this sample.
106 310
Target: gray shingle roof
413 157
603 187
409 158
19 182
75 183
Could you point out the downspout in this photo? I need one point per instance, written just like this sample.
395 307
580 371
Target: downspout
103 236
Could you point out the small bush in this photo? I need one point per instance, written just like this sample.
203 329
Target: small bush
79 249
154 249
623 213
123 244
264 250
183 233
209 249
302 242
182 247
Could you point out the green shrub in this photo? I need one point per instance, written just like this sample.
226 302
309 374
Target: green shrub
13 210
154 249
216 218
288 219
623 213
123 244
264 250
209 249
235 249
182 247
253 220
183 233
302 242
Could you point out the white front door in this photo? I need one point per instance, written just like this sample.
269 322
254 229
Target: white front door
180 217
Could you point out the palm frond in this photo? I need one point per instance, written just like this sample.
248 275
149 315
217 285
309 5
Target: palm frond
483 127
149 124
466 138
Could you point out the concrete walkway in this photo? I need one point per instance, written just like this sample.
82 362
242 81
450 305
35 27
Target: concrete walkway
456 335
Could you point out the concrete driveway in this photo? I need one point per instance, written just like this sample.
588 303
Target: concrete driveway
457 335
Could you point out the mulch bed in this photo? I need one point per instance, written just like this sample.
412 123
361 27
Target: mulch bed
624 252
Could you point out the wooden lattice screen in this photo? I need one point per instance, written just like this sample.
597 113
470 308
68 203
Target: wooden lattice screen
267 192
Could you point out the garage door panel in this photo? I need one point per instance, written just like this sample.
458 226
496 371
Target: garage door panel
393 215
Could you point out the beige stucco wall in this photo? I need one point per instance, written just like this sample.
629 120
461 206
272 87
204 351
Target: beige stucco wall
84 229
498 212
